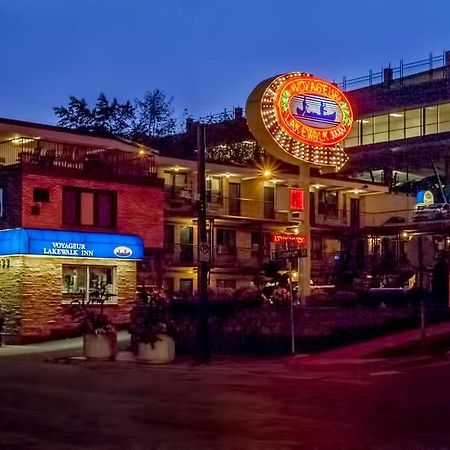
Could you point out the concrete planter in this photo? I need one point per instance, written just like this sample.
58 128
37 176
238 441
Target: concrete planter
100 347
162 352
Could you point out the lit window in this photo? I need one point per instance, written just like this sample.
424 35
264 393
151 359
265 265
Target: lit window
77 278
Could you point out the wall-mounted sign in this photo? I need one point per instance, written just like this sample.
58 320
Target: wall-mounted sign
425 197
298 117
26 241
282 238
297 199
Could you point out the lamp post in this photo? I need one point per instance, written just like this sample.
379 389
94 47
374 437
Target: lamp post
203 352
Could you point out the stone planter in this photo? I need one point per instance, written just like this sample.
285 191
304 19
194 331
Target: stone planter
162 352
100 347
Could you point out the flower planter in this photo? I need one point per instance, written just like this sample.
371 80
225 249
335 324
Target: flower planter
100 347
162 352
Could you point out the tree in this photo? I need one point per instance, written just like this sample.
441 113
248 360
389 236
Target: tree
76 115
113 117
154 115
150 117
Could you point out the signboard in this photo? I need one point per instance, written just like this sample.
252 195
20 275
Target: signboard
204 252
297 199
55 243
299 117
291 254
425 198
282 238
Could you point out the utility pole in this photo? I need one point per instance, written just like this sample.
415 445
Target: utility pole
203 352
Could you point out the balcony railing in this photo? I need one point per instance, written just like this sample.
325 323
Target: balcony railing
181 199
220 256
47 154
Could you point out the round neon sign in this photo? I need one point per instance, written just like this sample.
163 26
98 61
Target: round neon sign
298 116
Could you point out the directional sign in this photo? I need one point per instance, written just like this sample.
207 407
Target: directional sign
291 254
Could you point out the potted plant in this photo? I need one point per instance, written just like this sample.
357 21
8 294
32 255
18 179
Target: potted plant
151 331
99 334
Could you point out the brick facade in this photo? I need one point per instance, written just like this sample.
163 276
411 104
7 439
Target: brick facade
139 207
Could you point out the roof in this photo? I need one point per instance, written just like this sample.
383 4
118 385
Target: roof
12 128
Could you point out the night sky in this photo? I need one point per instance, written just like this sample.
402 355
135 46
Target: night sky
207 54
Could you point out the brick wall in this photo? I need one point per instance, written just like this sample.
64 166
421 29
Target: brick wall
10 183
139 207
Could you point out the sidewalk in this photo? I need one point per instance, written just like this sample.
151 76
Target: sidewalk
72 345
358 352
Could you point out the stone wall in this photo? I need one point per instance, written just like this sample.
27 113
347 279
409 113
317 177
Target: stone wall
268 328
30 292
10 292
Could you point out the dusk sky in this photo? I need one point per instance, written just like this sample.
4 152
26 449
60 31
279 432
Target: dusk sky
207 54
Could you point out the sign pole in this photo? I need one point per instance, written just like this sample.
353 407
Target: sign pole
291 309
203 352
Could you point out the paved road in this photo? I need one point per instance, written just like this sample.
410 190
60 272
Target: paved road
233 403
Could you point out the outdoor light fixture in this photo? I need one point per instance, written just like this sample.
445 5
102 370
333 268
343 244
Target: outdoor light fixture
267 173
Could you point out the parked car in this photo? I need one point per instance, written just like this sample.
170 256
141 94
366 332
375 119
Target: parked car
437 211
394 220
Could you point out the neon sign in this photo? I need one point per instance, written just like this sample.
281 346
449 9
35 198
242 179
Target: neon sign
299 117
297 199
282 238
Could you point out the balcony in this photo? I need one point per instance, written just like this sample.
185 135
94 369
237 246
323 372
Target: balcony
181 199
185 255
21 152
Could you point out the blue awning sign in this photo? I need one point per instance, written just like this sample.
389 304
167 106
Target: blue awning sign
74 244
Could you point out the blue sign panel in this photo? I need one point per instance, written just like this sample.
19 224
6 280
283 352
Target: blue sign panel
74 244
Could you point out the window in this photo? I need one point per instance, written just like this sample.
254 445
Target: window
367 130
255 242
41 195
86 282
1 202
214 190
413 121
316 247
225 284
353 138
187 285
444 117
89 208
397 126
328 203
169 237
431 119
226 241
380 126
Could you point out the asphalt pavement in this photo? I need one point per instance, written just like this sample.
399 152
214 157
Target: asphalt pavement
48 401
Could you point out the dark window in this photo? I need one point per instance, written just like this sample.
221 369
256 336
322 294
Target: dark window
187 285
255 242
41 195
91 208
226 241
269 202
168 286
234 199
169 237
328 203
316 247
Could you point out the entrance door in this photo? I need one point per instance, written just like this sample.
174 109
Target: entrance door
354 212
186 245
234 190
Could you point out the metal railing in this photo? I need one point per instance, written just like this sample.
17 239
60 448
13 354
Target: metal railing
220 256
398 73
40 153
181 198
